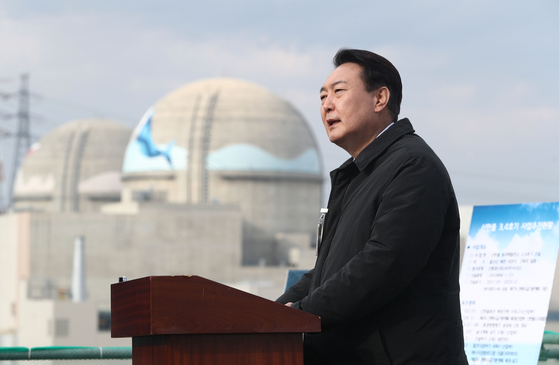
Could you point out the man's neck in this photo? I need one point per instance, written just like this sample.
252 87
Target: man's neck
388 122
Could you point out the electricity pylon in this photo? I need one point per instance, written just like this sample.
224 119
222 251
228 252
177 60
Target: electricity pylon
23 134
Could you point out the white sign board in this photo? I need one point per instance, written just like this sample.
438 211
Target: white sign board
506 280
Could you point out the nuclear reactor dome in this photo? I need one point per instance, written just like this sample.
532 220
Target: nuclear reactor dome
77 167
227 141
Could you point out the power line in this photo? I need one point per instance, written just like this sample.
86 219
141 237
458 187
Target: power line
6 115
4 95
73 105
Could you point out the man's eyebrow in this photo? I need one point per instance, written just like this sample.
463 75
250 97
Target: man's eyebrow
333 84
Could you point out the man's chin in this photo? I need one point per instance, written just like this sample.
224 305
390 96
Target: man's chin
334 138
338 142
335 141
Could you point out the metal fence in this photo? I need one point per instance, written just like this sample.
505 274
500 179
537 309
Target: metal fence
66 355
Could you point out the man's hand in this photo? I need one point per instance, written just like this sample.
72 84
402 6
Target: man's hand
288 304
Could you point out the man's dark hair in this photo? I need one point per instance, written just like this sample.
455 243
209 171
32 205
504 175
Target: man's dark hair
377 72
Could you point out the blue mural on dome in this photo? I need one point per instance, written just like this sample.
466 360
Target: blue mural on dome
136 161
143 155
245 157
238 157
145 140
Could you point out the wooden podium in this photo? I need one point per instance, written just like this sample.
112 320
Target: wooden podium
191 320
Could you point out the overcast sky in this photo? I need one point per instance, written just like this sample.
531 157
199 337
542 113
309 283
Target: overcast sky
481 79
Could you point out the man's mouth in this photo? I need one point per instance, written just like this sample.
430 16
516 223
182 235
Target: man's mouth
332 121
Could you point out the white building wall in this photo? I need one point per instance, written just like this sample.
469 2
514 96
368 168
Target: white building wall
8 272
35 325
14 265
51 322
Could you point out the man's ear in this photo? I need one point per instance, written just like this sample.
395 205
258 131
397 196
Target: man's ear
382 97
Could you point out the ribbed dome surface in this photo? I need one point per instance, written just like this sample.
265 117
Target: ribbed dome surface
232 125
78 160
228 141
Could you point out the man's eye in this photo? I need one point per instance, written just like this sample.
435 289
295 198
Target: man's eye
322 97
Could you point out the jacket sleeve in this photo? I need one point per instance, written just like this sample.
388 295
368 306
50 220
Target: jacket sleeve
298 291
406 228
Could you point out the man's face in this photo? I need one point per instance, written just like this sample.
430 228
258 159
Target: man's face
350 114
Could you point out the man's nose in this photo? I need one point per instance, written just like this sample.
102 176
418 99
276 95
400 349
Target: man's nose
327 104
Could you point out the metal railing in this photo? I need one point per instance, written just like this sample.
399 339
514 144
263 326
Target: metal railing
51 355
123 355
550 346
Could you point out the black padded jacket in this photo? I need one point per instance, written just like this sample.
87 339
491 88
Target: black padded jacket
385 282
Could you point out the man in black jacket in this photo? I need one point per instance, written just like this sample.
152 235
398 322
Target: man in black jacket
385 282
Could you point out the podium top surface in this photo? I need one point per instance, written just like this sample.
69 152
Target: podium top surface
158 305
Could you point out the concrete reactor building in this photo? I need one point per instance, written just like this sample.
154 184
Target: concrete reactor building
221 178
226 141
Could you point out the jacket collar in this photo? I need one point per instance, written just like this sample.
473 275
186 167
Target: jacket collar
380 144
